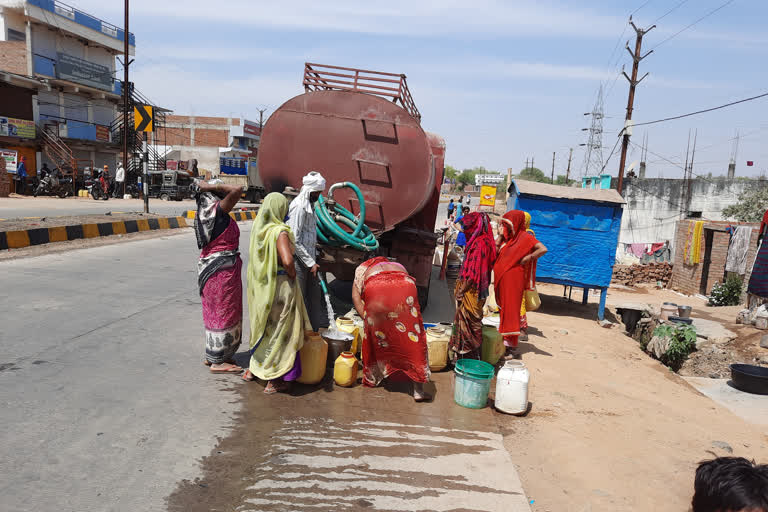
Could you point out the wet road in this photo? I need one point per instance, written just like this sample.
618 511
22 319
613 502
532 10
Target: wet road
106 406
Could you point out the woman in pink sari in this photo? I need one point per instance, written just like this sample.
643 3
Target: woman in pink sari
218 273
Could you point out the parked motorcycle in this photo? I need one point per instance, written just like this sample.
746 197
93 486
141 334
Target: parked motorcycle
51 185
99 188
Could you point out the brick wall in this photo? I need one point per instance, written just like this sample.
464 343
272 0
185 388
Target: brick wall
687 278
13 57
208 131
631 275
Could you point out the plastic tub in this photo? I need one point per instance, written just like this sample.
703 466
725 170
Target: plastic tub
473 382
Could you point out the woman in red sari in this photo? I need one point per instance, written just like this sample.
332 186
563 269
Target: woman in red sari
514 272
394 339
472 287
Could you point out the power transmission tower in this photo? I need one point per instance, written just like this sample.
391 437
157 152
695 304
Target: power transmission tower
593 159
636 58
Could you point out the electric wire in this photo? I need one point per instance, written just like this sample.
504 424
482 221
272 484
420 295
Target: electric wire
710 13
673 118
669 12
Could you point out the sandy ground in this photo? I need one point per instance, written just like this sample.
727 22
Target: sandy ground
610 428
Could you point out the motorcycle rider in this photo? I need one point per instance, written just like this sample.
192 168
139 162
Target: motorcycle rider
44 171
104 180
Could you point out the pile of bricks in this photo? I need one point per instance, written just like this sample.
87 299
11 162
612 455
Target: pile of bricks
631 275
5 182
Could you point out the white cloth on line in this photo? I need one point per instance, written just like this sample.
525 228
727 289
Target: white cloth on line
738 249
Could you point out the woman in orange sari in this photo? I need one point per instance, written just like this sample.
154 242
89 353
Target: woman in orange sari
472 287
514 272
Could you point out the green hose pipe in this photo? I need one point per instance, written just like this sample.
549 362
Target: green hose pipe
329 218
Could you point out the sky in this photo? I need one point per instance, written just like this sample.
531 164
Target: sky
501 81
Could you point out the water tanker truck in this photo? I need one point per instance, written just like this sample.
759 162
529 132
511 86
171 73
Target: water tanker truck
360 129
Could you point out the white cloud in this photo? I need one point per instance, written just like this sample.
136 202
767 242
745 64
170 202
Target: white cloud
480 18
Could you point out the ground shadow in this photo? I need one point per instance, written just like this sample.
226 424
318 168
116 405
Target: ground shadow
528 409
532 331
560 306
526 348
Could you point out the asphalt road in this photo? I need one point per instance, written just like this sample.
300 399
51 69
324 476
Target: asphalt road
107 407
17 207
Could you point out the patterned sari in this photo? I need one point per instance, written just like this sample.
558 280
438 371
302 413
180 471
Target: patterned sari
472 287
220 284
394 339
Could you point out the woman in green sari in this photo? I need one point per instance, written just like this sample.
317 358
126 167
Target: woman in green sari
275 305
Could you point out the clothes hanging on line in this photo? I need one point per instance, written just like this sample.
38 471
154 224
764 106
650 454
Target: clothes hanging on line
738 249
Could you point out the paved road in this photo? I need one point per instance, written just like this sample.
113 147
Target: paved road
17 207
106 406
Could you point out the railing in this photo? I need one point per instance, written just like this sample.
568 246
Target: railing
84 19
321 77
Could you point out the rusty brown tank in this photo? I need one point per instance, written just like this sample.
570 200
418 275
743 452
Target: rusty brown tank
363 127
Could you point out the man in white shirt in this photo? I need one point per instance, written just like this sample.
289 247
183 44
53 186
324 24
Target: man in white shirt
301 219
119 181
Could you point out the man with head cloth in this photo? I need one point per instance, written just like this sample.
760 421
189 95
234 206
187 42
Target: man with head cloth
301 219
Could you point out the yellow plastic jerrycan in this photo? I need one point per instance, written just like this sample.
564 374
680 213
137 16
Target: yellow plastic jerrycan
345 370
313 356
348 325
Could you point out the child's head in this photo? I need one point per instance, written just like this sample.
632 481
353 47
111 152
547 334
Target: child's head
730 484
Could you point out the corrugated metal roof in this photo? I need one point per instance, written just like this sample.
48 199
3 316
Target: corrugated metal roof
533 188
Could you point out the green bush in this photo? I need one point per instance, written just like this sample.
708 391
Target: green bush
682 343
727 293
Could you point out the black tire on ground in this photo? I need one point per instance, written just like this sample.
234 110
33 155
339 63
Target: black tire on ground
164 197
62 193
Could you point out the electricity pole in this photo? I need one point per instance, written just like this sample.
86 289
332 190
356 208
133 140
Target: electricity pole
125 93
261 118
568 171
636 58
553 168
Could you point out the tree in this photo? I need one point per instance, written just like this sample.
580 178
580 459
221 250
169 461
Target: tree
533 174
752 204
467 177
451 172
560 180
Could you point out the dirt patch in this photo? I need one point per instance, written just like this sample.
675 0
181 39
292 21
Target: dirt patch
70 220
610 427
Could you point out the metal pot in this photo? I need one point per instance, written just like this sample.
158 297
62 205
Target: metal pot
684 311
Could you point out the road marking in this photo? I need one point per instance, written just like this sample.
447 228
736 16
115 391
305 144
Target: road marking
383 466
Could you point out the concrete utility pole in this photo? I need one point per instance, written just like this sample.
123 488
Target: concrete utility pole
636 58
553 168
568 171
125 92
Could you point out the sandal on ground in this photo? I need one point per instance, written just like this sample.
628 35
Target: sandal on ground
511 353
229 368
276 386
424 397
248 376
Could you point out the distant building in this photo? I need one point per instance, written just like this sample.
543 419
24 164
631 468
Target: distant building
209 139
602 182
58 93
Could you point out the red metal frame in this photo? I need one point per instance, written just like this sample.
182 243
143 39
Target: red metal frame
322 77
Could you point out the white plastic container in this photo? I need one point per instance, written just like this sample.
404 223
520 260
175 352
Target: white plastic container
512 388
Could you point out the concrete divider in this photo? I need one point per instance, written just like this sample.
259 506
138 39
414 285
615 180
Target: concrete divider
243 215
38 236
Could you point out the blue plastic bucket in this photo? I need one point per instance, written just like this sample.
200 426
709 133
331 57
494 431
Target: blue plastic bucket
473 382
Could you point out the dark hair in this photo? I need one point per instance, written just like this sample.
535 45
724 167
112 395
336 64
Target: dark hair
465 209
730 484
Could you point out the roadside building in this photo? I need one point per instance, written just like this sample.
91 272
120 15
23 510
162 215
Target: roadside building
58 92
212 141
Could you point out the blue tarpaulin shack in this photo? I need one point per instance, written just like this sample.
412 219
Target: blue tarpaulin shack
580 227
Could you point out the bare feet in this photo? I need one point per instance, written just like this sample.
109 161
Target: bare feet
225 368
419 395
